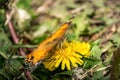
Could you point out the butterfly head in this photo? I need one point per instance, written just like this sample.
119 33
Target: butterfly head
30 64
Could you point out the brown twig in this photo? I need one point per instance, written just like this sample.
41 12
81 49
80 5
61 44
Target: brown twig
13 33
16 41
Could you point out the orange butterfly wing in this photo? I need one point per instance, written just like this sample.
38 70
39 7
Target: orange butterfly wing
41 52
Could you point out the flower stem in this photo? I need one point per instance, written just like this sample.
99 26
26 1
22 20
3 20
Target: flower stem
16 41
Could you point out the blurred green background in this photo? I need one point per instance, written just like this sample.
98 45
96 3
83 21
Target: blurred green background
97 22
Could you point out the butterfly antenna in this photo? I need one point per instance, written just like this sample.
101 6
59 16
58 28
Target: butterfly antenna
71 19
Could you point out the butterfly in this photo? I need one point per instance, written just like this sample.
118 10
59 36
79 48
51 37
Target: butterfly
40 53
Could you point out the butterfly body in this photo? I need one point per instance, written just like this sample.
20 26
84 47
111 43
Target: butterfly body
43 49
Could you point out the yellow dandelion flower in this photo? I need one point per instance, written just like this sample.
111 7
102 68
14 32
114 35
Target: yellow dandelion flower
69 55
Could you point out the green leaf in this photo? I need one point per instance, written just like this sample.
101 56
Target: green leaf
98 75
3 55
24 4
69 73
10 70
116 39
96 52
3 75
65 75
41 73
90 62
4 41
